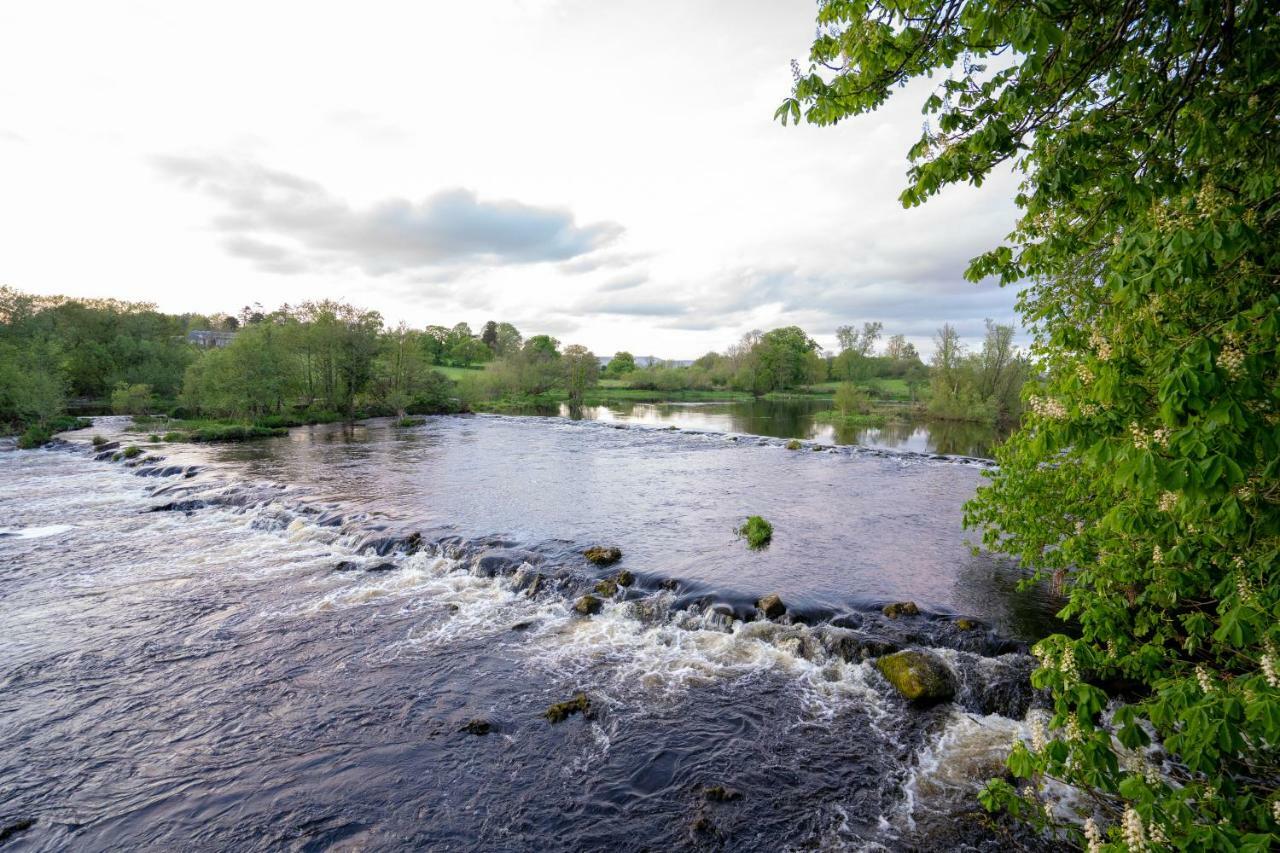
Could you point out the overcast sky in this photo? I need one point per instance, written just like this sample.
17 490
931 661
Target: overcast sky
607 172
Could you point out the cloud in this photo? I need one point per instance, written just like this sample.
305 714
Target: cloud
286 223
626 281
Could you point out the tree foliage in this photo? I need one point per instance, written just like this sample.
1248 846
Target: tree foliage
1145 480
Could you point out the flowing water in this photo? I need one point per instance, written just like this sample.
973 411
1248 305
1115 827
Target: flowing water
278 645
797 419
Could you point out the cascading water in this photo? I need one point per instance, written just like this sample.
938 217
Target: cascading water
281 645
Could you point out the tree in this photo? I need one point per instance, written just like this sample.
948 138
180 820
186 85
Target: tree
580 369
786 357
490 336
468 351
622 363
129 399
542 346
508 341
1144 481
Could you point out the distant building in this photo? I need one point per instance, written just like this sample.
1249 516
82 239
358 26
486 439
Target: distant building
209 339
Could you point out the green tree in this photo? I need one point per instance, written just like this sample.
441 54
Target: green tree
508 341
129 399
1145 481
468 351
786 357
622 363
489 336
580 369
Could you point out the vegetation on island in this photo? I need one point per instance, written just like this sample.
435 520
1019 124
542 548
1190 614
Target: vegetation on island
757 531
1144 483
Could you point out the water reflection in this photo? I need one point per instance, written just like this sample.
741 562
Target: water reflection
796 419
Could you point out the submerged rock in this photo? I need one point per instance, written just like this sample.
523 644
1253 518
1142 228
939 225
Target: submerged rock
921 677
794 444
670 584
382 567
588 605
625 578
607 588
901 608
603 556
561 711
966 624
12 828
720 794
477 726
771 606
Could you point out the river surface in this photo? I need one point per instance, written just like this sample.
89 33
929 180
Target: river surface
796 419
277 645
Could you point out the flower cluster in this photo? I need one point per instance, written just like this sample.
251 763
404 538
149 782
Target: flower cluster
1211 201
1231 360
1269 669
1100 345
1144 440
1168 501
1203 679
1157 555
1093 835
1047 407
1084 374
1135 834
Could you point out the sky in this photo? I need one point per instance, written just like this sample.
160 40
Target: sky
608 173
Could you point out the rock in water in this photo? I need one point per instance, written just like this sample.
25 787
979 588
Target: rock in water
966 624
603 556
921 677
720 794
625 578
478 727
588 605
607 588
901 608
771 606
561 711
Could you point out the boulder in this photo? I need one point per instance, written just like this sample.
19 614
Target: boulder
670 584
608 588
625 578
771 606
794 444
588 605
966 624
901 608
603 556
921 677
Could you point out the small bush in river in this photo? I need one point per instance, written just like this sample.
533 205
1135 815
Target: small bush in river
174 436
98 441
132 451
756 531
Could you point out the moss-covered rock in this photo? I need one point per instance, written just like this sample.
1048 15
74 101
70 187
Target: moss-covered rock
794 444
771 606
588 605
561 711
131 451
901 608
625 578
607 587
921 677
966 624
603 556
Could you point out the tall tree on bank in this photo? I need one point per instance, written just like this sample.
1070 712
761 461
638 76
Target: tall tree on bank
1144 482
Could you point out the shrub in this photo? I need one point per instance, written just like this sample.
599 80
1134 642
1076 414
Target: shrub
175 436
235 432
794 444
34 436
98 441
757 532
132 451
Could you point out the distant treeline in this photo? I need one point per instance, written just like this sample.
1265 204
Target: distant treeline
324 359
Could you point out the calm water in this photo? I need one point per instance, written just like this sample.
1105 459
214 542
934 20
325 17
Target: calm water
284 655
795 419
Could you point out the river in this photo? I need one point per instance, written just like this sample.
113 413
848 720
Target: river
278 644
